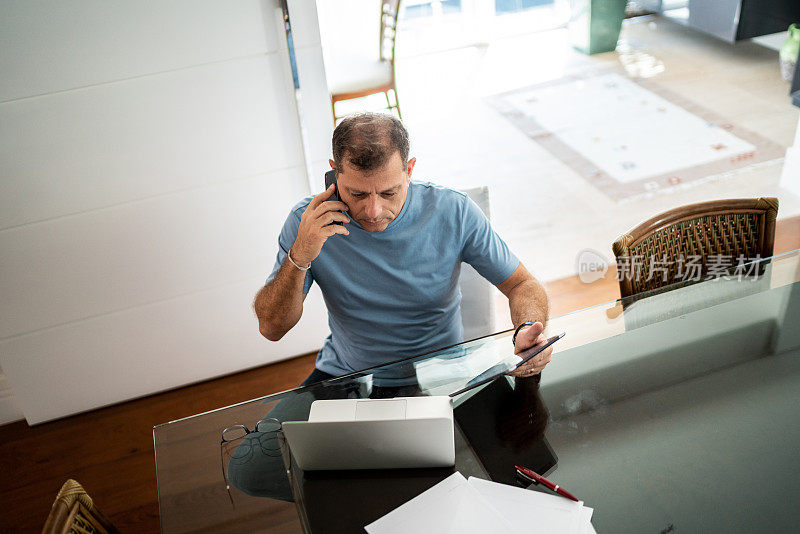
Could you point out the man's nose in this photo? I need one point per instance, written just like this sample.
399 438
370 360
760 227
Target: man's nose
374 208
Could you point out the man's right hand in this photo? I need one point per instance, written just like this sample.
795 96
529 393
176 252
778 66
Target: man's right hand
316 228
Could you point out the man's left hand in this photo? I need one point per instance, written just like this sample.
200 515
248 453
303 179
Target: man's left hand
527 338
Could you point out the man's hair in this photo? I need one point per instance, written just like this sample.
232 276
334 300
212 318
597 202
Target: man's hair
368 140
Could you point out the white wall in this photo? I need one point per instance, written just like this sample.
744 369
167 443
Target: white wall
150 152
790 177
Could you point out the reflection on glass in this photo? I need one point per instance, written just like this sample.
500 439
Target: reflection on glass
520 415
262 440
658 375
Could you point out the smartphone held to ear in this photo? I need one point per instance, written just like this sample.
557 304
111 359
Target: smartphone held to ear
330 178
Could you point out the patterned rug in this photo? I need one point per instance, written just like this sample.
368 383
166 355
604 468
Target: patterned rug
632 138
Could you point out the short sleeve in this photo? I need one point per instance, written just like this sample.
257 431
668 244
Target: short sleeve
285 240
483 248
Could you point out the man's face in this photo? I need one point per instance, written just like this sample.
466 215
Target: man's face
375 198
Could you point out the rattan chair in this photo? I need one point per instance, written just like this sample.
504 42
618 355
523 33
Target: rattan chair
716 234
356 76
74 512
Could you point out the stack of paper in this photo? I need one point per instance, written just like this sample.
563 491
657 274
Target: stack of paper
464 506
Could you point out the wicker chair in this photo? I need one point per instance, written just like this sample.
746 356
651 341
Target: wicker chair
654 254
74 512
356 76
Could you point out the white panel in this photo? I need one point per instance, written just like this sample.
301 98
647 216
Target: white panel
53 46
82 150
315 97
719 18
316 106
85 365
140 252
305 26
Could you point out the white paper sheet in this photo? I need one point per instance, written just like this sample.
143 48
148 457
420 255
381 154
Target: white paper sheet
588 528
533 511
451 506
477 506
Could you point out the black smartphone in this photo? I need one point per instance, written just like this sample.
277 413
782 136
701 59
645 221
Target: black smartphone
330 178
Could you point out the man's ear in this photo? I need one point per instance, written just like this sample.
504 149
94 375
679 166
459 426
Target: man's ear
410 167
333 163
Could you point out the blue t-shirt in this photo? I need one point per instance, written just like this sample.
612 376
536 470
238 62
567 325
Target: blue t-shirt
395 293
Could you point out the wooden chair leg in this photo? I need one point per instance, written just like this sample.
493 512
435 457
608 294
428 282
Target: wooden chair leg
333 108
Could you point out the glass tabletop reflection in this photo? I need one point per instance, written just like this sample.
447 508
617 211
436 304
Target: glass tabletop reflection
691 386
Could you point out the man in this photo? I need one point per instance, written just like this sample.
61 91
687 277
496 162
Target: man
389 270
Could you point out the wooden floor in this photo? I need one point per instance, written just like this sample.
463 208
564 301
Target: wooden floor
110 451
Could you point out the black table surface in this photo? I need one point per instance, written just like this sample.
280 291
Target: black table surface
497 428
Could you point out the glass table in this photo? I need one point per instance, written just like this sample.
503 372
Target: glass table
674 410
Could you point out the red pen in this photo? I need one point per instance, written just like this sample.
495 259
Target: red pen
540 479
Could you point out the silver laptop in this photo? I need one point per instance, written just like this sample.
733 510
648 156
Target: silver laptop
374 434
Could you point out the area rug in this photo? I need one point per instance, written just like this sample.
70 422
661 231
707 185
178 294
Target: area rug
632 138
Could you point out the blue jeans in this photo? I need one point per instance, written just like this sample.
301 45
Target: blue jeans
257 469
316 376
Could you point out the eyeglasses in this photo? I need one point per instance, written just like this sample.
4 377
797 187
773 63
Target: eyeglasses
264 435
